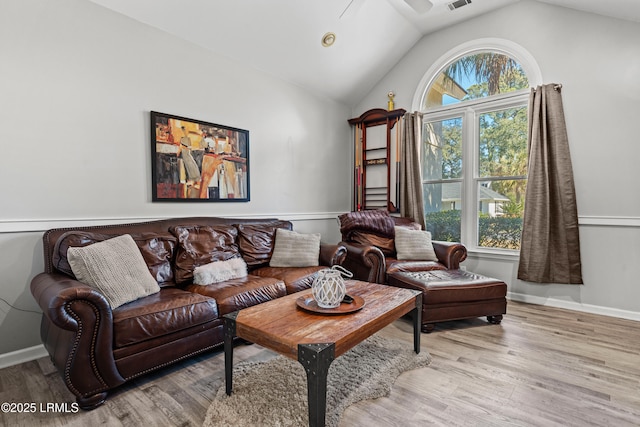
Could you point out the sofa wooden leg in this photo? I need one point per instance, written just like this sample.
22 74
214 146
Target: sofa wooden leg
92 402
428 327
495 319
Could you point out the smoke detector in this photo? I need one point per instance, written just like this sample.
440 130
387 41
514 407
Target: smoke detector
458 4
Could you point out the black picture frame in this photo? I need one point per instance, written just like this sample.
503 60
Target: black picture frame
197 161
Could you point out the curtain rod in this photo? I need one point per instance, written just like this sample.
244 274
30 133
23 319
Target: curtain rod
557 87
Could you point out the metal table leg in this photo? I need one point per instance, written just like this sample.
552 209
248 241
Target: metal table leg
417 323
316 359
229 329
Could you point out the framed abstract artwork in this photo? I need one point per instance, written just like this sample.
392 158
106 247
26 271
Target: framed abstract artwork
196 161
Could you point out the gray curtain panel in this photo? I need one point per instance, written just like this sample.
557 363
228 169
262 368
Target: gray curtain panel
550 249
411 197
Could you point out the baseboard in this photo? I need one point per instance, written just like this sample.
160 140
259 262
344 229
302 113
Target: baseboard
575 306
21 356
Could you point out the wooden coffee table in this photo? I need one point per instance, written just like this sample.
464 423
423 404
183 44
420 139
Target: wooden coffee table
315 340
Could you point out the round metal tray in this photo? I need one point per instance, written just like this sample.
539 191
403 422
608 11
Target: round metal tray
310 304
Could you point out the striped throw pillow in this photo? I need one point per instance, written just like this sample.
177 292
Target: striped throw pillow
414 245
114 267
293 249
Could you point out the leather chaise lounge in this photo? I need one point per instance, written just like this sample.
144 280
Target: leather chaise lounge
369 237
449 293
97 348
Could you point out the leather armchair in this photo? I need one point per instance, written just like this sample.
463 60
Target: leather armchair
368 237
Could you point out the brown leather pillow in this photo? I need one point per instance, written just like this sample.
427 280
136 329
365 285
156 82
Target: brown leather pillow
199 245
407 223
157 251
385 244
72 239
256 241
378 222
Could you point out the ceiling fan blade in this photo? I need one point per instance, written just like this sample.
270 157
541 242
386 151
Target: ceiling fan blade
420 6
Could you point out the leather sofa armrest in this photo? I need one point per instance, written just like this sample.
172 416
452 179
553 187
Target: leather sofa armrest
85 354
450 254
365 262
55 294
331 255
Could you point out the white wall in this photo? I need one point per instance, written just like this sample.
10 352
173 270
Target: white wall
77 82
597 59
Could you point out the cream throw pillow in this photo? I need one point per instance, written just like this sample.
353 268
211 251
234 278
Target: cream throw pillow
293 249
219 271
115 267
414 245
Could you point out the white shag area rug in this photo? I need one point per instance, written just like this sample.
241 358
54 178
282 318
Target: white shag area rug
274 392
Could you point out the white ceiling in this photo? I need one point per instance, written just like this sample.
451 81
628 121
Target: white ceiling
283 37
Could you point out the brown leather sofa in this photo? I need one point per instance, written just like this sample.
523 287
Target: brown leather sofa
97 348
369 236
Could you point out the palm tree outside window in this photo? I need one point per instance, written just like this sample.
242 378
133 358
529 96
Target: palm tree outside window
474 155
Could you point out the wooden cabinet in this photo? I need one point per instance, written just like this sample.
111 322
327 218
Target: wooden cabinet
377 159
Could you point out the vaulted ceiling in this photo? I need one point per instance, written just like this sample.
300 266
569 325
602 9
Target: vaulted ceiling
283 37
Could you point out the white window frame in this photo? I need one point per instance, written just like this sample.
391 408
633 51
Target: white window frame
470 112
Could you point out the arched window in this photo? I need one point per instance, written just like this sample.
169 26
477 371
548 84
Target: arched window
474 76
474 152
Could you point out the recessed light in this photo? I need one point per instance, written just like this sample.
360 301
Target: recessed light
328 39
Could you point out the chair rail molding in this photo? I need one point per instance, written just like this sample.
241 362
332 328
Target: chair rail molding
38 225
609 221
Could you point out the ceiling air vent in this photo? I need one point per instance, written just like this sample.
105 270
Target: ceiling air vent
458 4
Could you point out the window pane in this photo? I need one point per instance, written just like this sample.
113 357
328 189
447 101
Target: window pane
500 213
442 154
443 203
476 76
503 143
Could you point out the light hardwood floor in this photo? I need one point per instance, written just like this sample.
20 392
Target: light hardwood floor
541 367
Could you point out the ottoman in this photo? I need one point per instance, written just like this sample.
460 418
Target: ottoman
454 295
